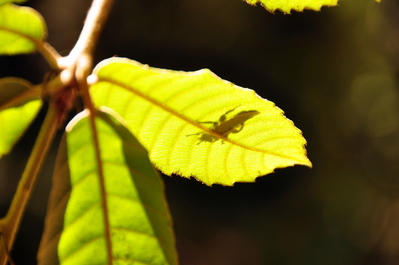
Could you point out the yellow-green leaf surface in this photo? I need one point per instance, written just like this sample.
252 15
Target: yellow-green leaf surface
287 6
19 105
21 29
107 205
11 1
2 2
198 125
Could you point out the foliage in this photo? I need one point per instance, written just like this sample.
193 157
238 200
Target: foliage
167 111
298 5
286 6
25 104
22 28
136 224
107 204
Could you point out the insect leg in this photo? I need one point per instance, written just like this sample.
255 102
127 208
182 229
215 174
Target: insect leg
224 116
238 128
208 122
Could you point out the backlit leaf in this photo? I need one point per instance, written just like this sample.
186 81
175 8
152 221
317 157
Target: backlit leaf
105 185
21 29
298 5
19 105
195 124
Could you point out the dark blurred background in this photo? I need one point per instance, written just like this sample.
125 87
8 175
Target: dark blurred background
334 73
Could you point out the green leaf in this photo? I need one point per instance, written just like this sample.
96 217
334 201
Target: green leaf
287 5
19 105
116 200
2 2
22 29
195 124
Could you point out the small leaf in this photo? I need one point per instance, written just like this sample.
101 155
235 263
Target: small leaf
195 124
11 1
21 29
298 5
132 209
19 105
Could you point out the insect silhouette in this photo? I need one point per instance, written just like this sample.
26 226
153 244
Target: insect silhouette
224 126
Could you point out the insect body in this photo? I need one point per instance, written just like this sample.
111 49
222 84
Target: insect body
222 128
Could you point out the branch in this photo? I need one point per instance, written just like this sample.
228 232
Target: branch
78 65
91 31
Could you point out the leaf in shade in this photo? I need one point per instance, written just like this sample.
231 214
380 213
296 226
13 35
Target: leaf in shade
196 124
19 105
107 204
21 29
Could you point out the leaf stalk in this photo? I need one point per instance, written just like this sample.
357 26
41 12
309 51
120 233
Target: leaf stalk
50 55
